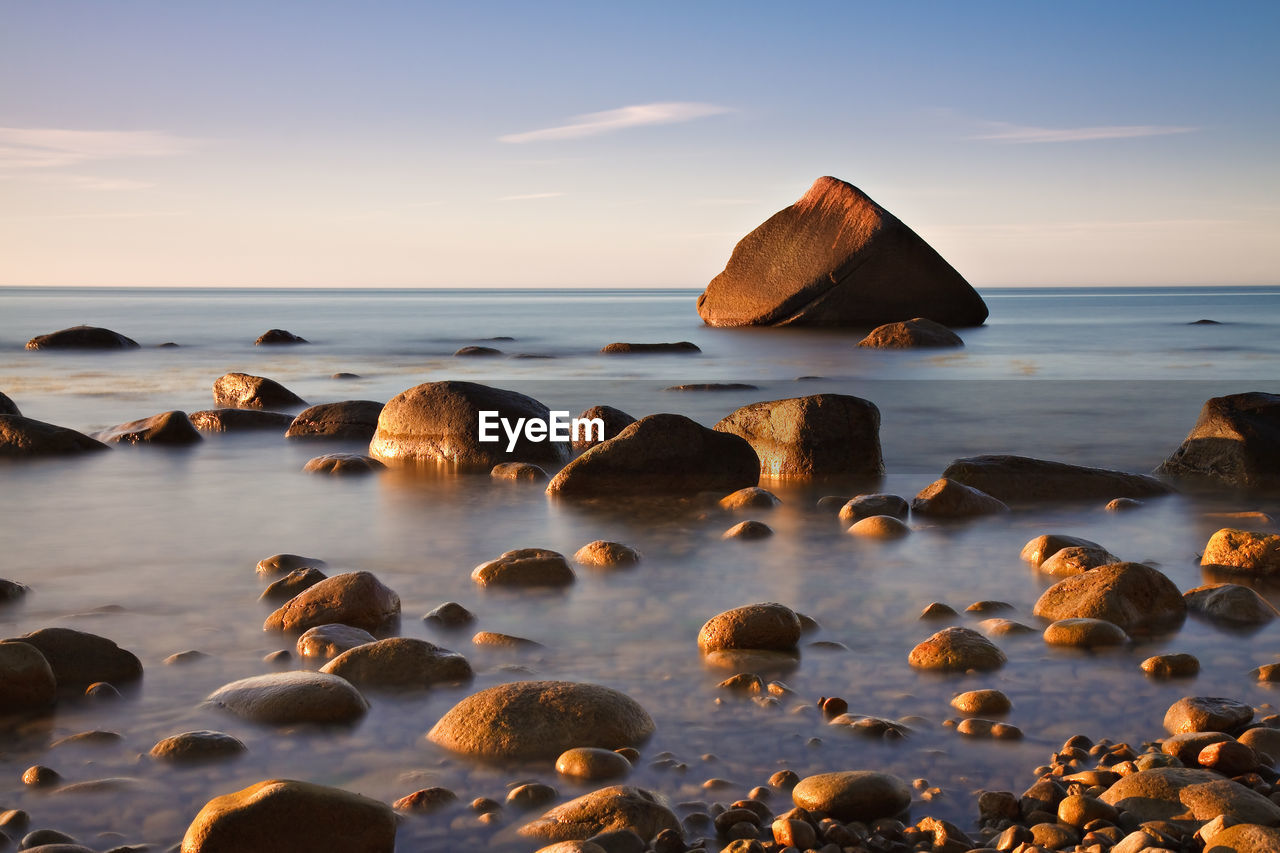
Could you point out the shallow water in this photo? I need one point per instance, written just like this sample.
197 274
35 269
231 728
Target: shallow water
155 548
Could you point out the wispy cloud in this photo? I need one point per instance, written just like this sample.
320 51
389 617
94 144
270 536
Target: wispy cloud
1018 134
610 121
47 147
79 182
529 196
724 202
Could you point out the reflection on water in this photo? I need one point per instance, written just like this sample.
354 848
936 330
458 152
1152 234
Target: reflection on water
172 536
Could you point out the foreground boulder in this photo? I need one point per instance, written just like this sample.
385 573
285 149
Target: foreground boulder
957 650
24 437
238 420
284 816
541 719
1021 478
399 663
861 795
1236 442
768 626
661 454
357 599
351 419
919 332
82 337
947 498
1133 596
836 258
165 428
439 422
26 681
244 391
615 421
620 807
817 436
289 698
1243 551
79 658
1182 793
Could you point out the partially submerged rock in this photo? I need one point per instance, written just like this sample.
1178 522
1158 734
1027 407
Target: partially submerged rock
278 565
328 641
197 746
1133 596
273 337
1021 478
245 391
879 527
357 599
525 567
947 498
540 719
633 348
525 472
289 698
1243 551
603 553
1185 794
822 435
7 406
79 658
23 437
26 681
399 663
606 810
1046 545
853 795
768 626
957 650
1085 633
343 465
919 332
1229 603
1077 559
752 497
1206 714
614 421
1235 442
356 420
82 337
164 428
865 506
239 420
836 258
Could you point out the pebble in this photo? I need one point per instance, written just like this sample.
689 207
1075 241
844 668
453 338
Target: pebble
1179 665
987 701
1085 633
592 764
604 553
451 614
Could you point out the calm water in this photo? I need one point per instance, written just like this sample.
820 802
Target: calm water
155 548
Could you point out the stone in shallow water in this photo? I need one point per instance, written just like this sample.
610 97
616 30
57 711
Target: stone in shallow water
1021 478
1235 441
278 565
278 336
592 764
239 420
519 471
26 681
191 747
451 614
245 391
957 650
1206 714
1230 603
357 599
624 348
425 800
525 567
861 795
328 641
1134 596
879 527
605 810
919 332
614 420
165 428
1243 551
602 552
1171 666
82 337
1085 633
399 663
23 437
752 497
821 435
1046 545
79 658
986 701
864 506
343 464
287 698
1179 793
291 584
747 530
1076 560
947 498
765 626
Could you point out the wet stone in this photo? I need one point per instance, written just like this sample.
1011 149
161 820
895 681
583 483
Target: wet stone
956 650
604 554
751 497
525 472
526 567
879 527
425 800
748 530
987 701
279 565
1179 665
1206 714
328 641
1085 633
450 615
592 764
292 584
197 746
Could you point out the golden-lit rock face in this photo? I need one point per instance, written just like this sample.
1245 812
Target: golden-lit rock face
811 437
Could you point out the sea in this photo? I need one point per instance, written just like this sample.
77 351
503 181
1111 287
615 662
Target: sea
156 547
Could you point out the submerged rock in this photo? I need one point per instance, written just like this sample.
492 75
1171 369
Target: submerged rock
165 428
273 337
919 332
79 658
478 351
660 454
519 471
239 420
439 422
399 663
288 698
82 337
948 498
621 807
822 435
1243 551
1230 603
527 720
23 437
1131 595
836 258
631 348
525 567
357 599
614 420
26 681
1235 442
767 626
853 795
244 391
192 747
604 553
748 530
752 497
356 420
282 564
1021 478
957 650
284 816
343 464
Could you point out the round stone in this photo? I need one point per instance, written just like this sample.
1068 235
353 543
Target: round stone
879 527
983 702
525 567
592 764
957 650
286 698
768 626
190 747
604 553
861 795
1085 633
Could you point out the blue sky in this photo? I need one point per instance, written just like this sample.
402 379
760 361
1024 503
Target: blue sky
543 144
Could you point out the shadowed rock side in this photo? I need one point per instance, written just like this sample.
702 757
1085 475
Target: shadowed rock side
661 454
1236 441
273 337
24 437
919 332
165 428
350 419
439 422
1021 478
816 436
621 807
615 421
7 406
239 420
82 337
836 258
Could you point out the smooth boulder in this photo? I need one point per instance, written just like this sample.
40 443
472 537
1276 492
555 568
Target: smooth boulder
620 807
660 454
947 498
439 423
399 663
1186 794
1235 442
822 435
916 333
285 816
1046 545
273 337
1076 560
957 650
605 554
1243 551
197 746
27 682
1206 714
768 626
525 567
356 420
343 465
328 641
1229 603
289 698
527 720
82 337
1021 478
79 658
164 428
836 258
1131 595
24 437
1085 633
849 795
357 599
245 391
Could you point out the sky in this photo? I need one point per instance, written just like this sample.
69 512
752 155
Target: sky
589 144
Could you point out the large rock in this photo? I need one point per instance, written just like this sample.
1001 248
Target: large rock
525 567
1206 714
607 810
919 332
22 437
768 626
1133 596
661 454
816 436
849 795
165 428
1236 441
82 337
26 681
1230 603
238 420
1244 838
288 698
243 391
399 663
357 599
1020 478
7 406
957 650
947 498
1244 551
1181 793
78 658
541 719
284 816
439 422
836 258
350 419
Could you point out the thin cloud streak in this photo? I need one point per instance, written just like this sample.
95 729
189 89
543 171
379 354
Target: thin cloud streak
529 196
1017 134
34 148
610 121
